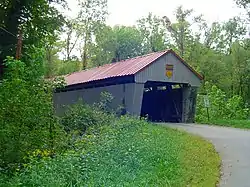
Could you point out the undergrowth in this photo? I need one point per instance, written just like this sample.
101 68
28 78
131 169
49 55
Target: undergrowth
128 152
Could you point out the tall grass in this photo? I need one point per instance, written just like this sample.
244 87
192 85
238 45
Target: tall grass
128 152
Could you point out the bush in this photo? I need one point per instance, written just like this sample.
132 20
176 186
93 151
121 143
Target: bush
80 116
236 109
27 121
105 101
221 107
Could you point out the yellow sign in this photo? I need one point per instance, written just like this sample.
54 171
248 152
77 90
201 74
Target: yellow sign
169 70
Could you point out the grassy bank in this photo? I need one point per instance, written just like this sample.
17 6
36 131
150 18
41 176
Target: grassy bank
242 124
128 153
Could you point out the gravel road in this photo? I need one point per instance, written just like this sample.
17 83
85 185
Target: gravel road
233 145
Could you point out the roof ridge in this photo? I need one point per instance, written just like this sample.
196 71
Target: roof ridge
145 55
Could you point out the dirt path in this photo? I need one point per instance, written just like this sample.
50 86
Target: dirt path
233 146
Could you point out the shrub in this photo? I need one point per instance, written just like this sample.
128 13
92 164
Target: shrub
27 121
79 117
235 108
105 101
221 107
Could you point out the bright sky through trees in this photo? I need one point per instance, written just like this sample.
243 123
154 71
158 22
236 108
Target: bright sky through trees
127 12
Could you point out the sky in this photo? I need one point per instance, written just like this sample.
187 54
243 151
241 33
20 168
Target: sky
126 12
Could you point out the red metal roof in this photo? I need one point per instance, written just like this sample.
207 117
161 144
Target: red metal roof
119 69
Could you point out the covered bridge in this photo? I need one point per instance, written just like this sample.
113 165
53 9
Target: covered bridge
160 85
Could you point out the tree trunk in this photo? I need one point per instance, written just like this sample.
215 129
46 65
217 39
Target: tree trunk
152 44
68 45
182 41
84 55
8 35
84 60
117 56
19 45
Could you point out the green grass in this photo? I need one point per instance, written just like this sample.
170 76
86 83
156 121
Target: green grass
129 153
242 124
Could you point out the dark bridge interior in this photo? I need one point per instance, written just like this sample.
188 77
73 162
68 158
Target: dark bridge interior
162 102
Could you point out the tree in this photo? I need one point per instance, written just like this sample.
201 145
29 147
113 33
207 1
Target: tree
92 15
34 22
181 30
102 50
72 38
153 32
128 42
238 65
234 30
245 4
116 44
51 60
212 35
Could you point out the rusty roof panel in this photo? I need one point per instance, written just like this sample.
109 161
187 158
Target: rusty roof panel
117 69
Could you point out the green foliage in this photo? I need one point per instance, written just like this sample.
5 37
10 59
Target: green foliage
54 66
105 101
92 15
26 112
103 50
221 107
116 44
242 124
80 117
67 67
153 32
128 42
128 152
245 4
37 20
51 60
